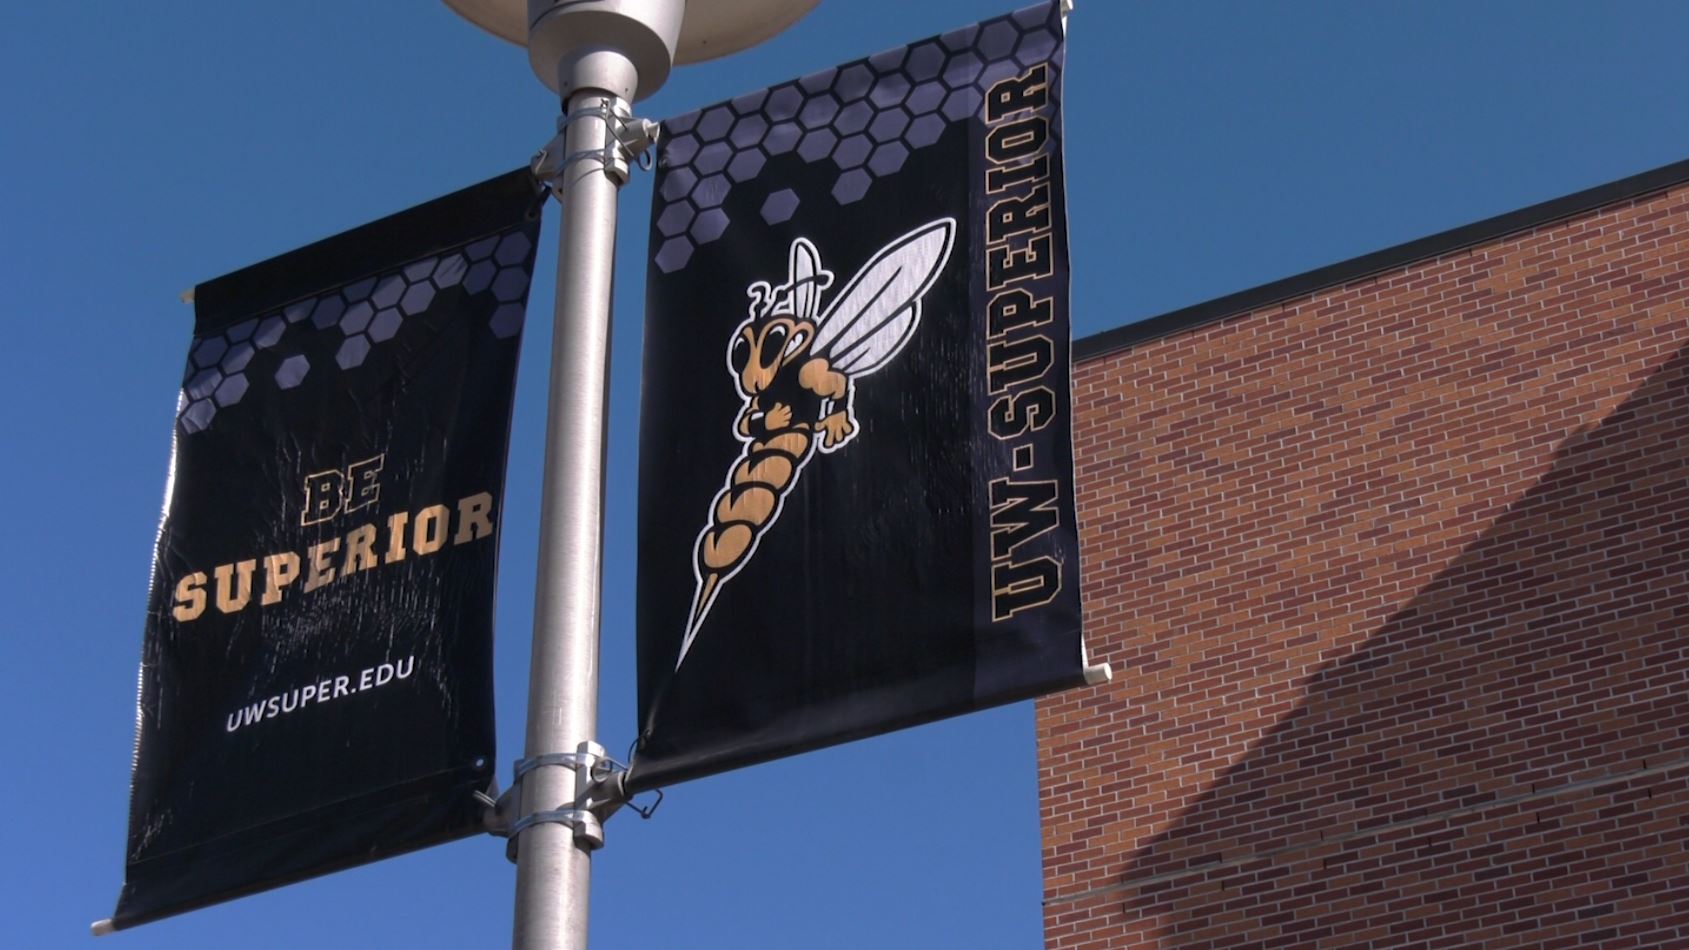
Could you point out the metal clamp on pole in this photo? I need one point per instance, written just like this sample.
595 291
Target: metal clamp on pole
585 824
570 760
600 793
626 140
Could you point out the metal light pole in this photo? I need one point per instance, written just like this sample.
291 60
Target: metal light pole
599 56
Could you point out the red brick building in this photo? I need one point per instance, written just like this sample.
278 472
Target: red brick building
1392 563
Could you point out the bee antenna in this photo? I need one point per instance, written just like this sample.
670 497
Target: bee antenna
762 298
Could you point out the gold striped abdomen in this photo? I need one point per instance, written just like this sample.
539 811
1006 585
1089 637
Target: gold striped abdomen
744 508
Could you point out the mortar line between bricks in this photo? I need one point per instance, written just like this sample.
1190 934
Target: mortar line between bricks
1373 831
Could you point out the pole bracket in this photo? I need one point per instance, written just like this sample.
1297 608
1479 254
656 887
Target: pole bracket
601 791
569 760
586 826
626 139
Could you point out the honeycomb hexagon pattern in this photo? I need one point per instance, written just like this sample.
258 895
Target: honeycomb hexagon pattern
779 206
363 315
863 118
292 371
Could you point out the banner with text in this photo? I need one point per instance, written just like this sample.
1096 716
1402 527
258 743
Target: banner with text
316 676
856 489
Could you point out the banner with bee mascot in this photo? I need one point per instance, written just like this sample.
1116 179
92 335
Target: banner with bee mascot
856 490
316 677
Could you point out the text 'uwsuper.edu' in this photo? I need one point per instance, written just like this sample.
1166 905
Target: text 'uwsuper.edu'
322 691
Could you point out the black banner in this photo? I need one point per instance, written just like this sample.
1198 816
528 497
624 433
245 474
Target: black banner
316 679
856 501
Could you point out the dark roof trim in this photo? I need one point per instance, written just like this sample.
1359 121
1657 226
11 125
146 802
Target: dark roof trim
1120 338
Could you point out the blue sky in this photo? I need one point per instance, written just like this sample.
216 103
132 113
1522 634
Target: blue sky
1212 147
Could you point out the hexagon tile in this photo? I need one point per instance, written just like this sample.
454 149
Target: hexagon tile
364 314
865 117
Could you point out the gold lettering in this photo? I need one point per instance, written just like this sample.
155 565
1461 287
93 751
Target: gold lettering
1018 361
231 587
1016 310
1017 140
321 570
280 570
429 533
230 601
474 518
1012 416
360 550
1011 216
1005 265
1019 93
365 487
1020 512
322 496
997 179
396 538
190 597
1022 586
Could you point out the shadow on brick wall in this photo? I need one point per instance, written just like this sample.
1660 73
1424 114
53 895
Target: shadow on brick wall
1543 668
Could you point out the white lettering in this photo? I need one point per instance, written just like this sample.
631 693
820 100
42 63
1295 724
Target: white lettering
322 691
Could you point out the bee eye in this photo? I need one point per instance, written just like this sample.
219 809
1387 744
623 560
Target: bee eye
740 355
773 345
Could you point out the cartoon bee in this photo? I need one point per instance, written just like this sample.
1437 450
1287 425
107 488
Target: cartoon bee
796 368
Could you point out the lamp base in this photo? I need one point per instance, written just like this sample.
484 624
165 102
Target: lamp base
706 29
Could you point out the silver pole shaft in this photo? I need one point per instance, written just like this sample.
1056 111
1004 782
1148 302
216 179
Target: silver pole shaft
553 871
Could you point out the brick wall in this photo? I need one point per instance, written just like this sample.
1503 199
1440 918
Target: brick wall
1395 582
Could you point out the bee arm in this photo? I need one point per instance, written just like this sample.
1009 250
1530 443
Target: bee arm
818 376
841 402
831 408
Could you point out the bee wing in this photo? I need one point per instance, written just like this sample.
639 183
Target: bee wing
805 268
871 320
